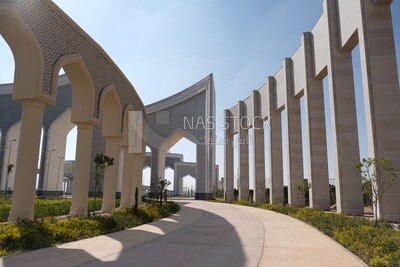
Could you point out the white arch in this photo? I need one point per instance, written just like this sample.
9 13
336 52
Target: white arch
12 134
57 140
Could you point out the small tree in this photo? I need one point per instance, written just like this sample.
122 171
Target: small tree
162 185
381 174
302 189
102 163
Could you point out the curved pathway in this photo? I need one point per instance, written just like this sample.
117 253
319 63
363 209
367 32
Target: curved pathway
201 234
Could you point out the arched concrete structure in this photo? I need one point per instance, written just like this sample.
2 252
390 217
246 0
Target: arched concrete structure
189 114
110 110
57 140
40 52
183 169
326 52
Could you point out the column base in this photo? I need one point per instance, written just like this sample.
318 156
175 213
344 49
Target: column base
123 205
107 209
79 212
203 196
20 214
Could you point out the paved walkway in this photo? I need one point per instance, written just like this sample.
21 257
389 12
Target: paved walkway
201 234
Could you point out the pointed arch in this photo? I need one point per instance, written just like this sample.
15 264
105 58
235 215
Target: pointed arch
28 58
174 138
81 86
110 111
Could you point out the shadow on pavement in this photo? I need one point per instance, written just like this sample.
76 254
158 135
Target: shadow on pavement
193 237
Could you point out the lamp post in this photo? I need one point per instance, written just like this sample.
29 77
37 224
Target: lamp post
59 169
8 166
48 165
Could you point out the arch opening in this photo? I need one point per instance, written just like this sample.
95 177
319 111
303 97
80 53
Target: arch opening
188 186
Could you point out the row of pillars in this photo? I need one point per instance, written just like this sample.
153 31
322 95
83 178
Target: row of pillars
27 158
382 97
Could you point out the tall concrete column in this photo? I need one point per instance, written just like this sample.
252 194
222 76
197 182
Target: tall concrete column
243 152
111 174
344 121
176 184
43 158
80 186
137 177
228 159
275 137
316 131
181 185
161 163
275 141
153 170
381 95
259 160
294 139
27 160
126 178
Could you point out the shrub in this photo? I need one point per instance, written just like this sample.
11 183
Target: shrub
157 212
125 218
5 207
375 243
27 235
376 246
51 207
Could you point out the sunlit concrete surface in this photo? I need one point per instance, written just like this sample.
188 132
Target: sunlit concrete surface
201 234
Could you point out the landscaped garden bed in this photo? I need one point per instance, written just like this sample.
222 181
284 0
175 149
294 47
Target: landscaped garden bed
50 207
376 243
46 230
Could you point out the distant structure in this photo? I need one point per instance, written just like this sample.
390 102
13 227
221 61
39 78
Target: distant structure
188 114
324 52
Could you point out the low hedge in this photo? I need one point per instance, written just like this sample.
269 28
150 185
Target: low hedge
50 207
376 243
28 235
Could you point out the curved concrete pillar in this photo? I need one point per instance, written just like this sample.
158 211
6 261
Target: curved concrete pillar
110 111
120 169
80 186
27 160
127 178
137 175
111 175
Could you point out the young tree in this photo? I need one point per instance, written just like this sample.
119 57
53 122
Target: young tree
162 185
302 188
102 163
381 174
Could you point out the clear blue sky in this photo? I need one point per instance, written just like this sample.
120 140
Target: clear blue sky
165 46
